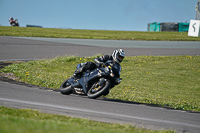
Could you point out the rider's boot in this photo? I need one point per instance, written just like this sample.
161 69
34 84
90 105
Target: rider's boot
78 73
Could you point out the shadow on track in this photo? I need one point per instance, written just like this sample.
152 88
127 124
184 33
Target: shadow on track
146 104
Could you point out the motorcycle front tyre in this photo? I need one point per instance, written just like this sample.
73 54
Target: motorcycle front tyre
103 91
66 89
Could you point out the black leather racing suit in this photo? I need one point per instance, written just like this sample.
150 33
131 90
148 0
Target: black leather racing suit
99 61
109 59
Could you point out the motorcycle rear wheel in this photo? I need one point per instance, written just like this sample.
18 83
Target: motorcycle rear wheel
94 93
66 88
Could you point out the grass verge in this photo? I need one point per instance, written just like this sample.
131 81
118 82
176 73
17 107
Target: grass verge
32 121
95 34
172 81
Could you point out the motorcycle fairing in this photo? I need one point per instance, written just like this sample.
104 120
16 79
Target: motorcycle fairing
88 77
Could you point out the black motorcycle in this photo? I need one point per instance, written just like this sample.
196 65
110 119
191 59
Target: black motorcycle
94 83
15 22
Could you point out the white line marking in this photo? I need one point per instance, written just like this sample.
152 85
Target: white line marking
99 112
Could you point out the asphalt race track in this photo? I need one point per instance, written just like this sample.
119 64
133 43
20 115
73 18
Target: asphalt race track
38 48
105 110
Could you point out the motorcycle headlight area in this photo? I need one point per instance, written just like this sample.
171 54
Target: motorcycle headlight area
108 70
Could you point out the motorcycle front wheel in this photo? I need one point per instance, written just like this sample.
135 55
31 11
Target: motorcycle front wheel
66 88
96 91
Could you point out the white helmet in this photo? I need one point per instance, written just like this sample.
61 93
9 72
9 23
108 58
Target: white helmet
118 55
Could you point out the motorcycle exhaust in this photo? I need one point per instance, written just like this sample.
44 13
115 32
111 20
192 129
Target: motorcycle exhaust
76 85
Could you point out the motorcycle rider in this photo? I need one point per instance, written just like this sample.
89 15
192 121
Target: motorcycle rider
116 57
11 21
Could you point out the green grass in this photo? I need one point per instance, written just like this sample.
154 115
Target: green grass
95 34
172 81
30 121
